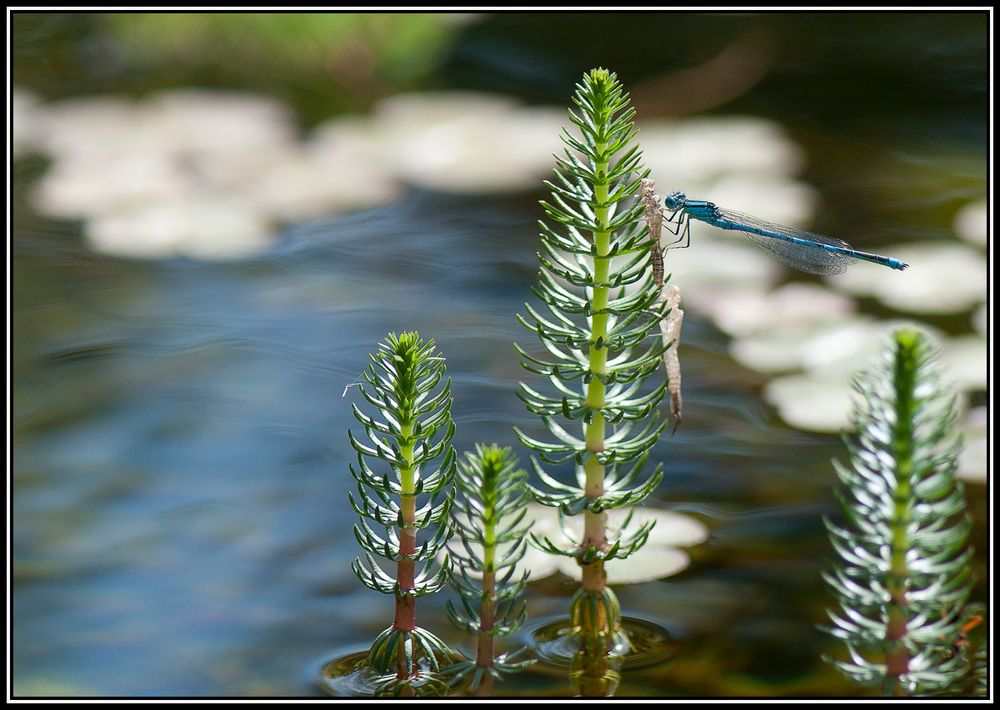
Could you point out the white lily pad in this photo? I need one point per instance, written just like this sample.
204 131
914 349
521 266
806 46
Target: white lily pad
93 126
811 403
315 182
466 142
833 350
723 264
769 197
825 346
973 461
971 222
203 229
173 175
644 565
89 186
222 124
696 151
794 306
965 361
821 399
659 557
980 319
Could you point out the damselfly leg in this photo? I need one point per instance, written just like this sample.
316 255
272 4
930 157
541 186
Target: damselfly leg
682 229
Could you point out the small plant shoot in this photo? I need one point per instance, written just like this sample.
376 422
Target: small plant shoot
407 456
489 515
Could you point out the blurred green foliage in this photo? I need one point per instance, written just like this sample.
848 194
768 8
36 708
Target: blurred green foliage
877 73
351 59
396 47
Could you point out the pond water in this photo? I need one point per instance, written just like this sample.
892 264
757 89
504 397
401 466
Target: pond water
181 524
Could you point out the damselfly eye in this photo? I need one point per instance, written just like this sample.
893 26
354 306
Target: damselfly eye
674 201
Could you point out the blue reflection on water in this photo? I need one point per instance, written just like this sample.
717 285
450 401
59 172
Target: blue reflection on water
180 442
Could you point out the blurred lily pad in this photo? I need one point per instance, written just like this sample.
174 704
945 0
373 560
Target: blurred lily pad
825 348
965 361
811 402
971 222
980 319
973 461
696 152
200 229
660 557
794 306
465 142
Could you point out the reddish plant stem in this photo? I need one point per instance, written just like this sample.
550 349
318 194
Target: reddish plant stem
484 652
406 601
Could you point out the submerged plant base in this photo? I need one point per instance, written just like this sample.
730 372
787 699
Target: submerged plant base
643 643
349 676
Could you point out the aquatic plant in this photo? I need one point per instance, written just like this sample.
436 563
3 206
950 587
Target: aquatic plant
489 521
413 409
600 338
902 573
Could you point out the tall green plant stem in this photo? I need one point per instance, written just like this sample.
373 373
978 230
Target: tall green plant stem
897 655
487 608
595 524
406 600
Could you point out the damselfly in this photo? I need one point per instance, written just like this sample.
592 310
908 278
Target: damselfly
799 249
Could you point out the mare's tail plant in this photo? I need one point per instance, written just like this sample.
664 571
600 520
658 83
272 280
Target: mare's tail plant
490 507
902 574
600 338
394 468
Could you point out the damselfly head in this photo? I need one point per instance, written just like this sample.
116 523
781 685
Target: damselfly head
674 201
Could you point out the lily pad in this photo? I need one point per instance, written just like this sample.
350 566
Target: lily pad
965 361
200 229
812 403
694 152
980 319
794 306
973 461
971 222
659 557
465 142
